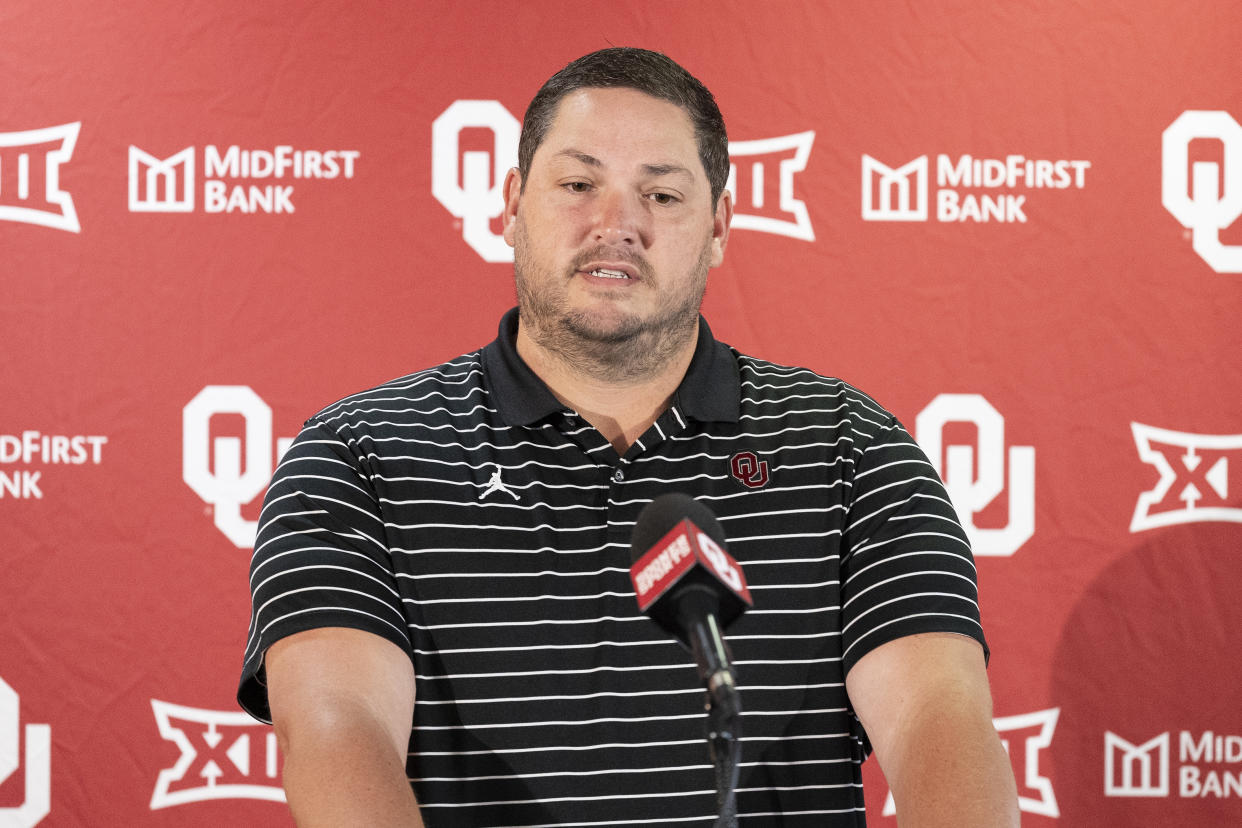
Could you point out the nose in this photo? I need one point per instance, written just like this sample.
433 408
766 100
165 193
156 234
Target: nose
620 219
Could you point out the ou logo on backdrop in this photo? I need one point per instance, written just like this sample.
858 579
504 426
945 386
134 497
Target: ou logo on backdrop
226 487
972 494
1202 206
474 200
38 802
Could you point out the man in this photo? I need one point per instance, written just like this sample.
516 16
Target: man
451 549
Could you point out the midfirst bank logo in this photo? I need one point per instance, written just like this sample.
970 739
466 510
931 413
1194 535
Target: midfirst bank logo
167 185
1209 198
30 177
468 182
38 758
23 455
903 193
224 755
1024 738
1143 769
213 466
1195 476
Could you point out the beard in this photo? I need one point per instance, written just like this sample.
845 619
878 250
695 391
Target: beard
606 343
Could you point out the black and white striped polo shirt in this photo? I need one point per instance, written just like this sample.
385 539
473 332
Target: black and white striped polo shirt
467 516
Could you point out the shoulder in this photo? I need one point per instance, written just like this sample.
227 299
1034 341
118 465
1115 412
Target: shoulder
770 389
450 389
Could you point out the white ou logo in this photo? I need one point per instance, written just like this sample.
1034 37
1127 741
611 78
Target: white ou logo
720 562
1197 202
38 762
227 487
972 494
476 195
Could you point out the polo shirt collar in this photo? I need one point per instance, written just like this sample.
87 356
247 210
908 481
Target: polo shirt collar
710 391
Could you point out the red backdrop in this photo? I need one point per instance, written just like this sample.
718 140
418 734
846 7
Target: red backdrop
1013 224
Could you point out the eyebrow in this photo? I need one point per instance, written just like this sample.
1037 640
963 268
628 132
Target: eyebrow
649 169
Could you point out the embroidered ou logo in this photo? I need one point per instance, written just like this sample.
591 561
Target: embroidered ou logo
749 469
226 486
476 195
971 494
1201 206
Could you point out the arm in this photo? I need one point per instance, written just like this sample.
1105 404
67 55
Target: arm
925 704
342 701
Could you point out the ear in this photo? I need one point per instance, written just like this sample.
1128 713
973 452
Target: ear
513 194
720 226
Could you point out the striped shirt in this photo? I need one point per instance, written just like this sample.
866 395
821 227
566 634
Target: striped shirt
467 516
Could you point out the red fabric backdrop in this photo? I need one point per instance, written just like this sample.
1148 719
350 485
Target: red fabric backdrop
1013 224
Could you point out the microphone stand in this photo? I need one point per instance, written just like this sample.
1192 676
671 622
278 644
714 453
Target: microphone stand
724 743
724 718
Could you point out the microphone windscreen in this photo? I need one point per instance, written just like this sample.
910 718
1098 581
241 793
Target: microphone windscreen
660 515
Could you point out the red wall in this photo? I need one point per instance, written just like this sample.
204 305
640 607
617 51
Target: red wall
1077 356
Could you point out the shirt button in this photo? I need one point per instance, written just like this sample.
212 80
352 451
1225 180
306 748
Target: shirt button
618 476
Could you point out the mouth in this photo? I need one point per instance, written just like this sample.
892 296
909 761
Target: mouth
605 273
616 270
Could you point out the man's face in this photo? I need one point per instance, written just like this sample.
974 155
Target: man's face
614 231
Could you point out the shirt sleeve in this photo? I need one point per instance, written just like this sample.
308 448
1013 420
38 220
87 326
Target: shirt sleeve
907 567
320 556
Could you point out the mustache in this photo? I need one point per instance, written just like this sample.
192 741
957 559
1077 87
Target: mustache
613 254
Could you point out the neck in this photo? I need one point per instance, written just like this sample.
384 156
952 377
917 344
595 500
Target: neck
621 405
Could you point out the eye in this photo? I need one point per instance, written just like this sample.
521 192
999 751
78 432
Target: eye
662 198
577 186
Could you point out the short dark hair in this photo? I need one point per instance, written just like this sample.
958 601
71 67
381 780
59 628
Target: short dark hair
650 72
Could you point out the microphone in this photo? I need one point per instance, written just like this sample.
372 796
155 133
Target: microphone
689 585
